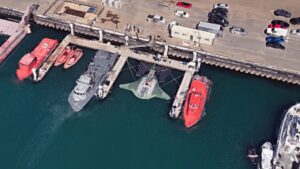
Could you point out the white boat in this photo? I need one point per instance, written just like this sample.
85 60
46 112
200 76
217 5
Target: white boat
287 152
266 156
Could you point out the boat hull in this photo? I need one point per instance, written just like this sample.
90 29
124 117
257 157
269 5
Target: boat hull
71 61
195 100
34 59
97 70
63 57
287 152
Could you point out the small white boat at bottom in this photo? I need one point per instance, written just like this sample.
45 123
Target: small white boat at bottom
266 156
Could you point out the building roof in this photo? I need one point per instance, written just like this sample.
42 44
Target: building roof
178 28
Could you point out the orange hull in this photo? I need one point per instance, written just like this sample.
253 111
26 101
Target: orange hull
195 100
73 59
63 57
34 59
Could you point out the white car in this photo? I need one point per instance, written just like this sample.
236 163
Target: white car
181 14
156 18
295 32
220 5
277 32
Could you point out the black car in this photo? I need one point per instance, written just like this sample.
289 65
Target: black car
220 10
295 21
211 14
218 20
282 12
275 45
281 23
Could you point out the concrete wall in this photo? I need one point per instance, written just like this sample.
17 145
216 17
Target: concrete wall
193 35
174 50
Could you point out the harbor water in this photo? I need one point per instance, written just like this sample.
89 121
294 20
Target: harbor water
38 129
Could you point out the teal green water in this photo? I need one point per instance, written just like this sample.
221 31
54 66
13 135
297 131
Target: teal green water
39 130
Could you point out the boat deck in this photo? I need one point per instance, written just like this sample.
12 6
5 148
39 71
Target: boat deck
52 58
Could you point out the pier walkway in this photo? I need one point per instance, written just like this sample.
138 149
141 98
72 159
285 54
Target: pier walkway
51 59
8 27
181 93
113 74
16 31
126 53
98 45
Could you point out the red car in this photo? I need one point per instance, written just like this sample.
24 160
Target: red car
276 26
184 4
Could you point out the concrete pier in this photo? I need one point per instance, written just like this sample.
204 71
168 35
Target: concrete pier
97 45
181 94
125 53
236 53
113 74
16 31
52 58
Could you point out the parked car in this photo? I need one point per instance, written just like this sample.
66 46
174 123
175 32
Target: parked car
181 14
295 21
275 45
276 26
277 32
295 32
282 23
220 10
210 14
156 18
220 5
275 39
282 12
218 20
184 4
237 30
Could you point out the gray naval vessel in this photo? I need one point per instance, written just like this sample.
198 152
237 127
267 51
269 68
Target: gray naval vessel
88 82
287 152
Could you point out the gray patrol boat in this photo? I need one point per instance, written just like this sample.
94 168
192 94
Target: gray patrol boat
88 82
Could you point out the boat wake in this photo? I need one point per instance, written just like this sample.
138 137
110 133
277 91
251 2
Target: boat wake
43 136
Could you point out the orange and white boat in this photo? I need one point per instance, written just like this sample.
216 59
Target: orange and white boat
33 60
73 59
195 100
63 57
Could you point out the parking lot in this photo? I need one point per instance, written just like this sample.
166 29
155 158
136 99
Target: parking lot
253 15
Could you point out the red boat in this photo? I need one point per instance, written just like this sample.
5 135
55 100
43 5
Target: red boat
195 100
34 59
63 57
73 59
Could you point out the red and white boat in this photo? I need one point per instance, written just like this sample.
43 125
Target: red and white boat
73 59
195 100
33 60
63 57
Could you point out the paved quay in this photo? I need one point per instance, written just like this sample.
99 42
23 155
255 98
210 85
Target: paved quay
254 18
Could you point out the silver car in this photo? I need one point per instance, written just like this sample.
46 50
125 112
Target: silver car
295 32
237 30
220 5
155 18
